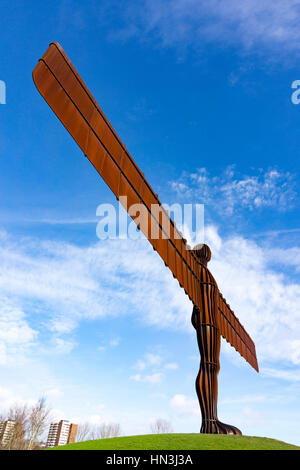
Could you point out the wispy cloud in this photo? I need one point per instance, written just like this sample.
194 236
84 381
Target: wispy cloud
62 221
171 366
291 375
153 359
51 287
63 346
114 342
264 299
244 399
155 363
16 336
54 392
252 26
110 344
152 378
184 405
232 192
9 398
56 285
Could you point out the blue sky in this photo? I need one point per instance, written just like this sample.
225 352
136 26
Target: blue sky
201 96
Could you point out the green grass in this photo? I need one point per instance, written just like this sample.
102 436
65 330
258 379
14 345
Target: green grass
181 442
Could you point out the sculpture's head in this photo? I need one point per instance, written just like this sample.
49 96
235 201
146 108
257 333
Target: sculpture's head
202 252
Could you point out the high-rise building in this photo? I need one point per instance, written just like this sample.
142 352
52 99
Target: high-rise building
10 430
61 433
72 433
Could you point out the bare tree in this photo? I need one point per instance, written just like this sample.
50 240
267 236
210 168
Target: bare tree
26 427
96 432
18 414
116 430
110 430
38 419
13 429
161 426
83 432
106 430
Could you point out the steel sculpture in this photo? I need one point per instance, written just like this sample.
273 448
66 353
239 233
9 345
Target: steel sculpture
65 92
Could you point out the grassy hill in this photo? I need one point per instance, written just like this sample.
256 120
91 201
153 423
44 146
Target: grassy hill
181 442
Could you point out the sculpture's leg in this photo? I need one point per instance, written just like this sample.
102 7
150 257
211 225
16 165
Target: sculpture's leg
209 342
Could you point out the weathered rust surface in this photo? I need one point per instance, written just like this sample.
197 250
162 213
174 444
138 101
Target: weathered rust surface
208 327
63 89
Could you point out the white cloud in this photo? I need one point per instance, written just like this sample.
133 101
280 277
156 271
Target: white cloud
111 343
153 359
260 26
136 377
16 336
13 327
155 363
61 221
264 300
56 285
244 399
171 366
9 398
287 256
114 342
152 378
292 375
251 416
230 192
184 405
53 393
140 365
63 346
60 284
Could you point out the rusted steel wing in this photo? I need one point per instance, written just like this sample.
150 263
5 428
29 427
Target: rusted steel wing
232 330
63 89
